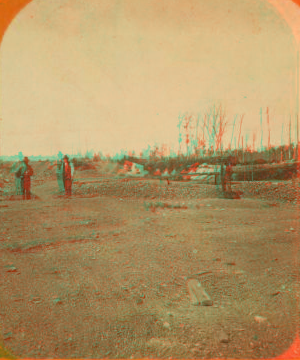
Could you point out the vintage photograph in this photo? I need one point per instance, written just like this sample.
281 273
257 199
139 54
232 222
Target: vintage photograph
149 179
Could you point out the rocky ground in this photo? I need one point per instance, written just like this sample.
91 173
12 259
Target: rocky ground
104 273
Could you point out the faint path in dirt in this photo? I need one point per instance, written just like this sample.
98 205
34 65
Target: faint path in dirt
46 191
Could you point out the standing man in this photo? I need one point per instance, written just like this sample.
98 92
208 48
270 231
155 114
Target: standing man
67 176
26 180
228 175
60 172
19 170
223 181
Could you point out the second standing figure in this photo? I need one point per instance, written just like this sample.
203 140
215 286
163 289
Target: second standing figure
68 175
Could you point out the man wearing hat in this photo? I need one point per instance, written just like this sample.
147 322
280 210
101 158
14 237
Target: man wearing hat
19 170
26 179
68 175
60 173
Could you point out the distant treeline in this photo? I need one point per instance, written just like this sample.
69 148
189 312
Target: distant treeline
154 156
239 157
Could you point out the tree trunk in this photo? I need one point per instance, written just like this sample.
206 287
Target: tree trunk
223 177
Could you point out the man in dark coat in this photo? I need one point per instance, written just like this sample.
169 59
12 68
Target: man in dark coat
67 176
26 179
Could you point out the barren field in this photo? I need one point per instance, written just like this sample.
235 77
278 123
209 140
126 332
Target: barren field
103 274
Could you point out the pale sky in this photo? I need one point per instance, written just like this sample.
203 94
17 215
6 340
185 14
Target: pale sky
116 74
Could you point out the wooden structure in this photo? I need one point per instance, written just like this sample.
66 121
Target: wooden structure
217 160
198 295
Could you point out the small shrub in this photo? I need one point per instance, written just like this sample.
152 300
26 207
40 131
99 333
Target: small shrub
96 158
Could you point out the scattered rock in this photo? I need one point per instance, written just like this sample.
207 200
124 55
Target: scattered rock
11 268
197 294
35 300
223 337
166 325
197 274
240 272
57 301
260 319
139 301
7 336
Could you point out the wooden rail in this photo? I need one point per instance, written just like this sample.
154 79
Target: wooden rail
205 174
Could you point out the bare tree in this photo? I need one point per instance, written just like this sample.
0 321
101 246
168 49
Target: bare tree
269 130
214 125
180 120
186 127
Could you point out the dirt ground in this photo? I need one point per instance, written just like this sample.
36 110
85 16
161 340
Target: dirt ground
103 274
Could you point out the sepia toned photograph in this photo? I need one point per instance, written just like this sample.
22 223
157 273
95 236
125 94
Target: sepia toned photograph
149 179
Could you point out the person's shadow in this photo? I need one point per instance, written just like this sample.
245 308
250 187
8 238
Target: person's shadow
21 197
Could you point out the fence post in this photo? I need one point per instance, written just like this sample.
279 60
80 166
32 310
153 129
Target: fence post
222 177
